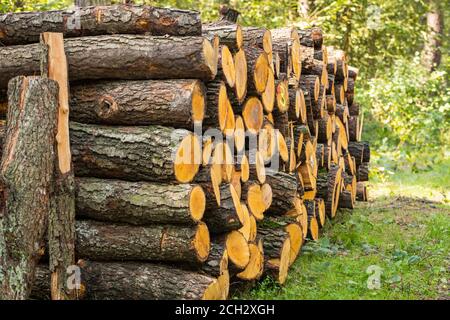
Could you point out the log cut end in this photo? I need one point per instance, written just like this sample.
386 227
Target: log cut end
187 159
238 249
296 238
296 59
210 51
313 228
228 68
198 102
253 115
280 266
201 242
268 96
255 267
240 65
197 203
282 96
261 72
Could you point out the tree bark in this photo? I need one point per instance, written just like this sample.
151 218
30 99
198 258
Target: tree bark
119 57
61 227
284 191
25 27
139 153
431 55
363 172
26 175
138 281
139 203
311 37
174 103
104 241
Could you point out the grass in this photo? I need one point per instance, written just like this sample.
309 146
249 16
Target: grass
404 231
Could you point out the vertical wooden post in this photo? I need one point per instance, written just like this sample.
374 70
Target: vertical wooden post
61 229
26 177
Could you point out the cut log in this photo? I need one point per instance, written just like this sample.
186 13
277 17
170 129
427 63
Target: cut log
277 250
230 35
285 42
175 103
139 153
311 84
311 37
259 37
238 250
363 172
103 241
61 227
139 281
139 203
120 57
345 200
361 192
284 191
255 267
320 211
353 128
253 115
26 176
316 67
360 151
25 27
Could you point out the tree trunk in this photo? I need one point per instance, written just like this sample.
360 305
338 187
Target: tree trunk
139 203
26 174
431 56
25 27
103 241
134 153
277 247
120 57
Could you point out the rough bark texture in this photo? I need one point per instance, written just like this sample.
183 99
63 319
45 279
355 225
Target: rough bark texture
119 57
353 128
311 37
163 102
129 153
273 239
134 203
26 175
361 192
228 34
134 281
346 200
363 172
284 191
103 241
356 149
25 27
61 224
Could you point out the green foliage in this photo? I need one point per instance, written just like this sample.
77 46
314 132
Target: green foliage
408 115
32 5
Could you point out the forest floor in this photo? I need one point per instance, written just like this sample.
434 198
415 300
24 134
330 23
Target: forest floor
401 237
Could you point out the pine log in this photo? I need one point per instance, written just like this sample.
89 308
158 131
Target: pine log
25 27
230 35
120 57
356 149
174 103
354 109
311 37
255 267
258 37
320 211
104 241
138 281
284 191
139 153
353 128
361 192
26 178
346 200
61 228
310 84
285 42
277 247
363 172
139 203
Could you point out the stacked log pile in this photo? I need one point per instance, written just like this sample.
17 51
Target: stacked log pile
203 155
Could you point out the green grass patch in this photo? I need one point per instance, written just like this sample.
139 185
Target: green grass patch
403 234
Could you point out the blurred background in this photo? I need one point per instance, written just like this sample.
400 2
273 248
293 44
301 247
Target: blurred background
399 47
